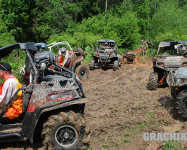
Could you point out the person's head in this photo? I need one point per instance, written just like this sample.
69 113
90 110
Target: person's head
5 69
63 50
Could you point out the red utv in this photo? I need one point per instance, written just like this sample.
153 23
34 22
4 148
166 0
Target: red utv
75 59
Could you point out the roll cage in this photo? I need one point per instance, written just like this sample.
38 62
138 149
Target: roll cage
50 46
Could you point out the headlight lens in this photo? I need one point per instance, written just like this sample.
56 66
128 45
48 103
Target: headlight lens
161 64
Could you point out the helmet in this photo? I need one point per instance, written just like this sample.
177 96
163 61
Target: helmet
63 50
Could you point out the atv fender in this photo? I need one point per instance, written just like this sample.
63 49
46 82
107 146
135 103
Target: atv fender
77 62
44 110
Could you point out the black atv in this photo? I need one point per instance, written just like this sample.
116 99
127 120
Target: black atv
106 56
129 56
169 58
177 82
53 103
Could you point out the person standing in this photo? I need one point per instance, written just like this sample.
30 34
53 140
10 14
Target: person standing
145 47
142 45
151 46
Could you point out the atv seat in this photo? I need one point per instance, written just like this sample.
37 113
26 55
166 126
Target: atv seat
6 120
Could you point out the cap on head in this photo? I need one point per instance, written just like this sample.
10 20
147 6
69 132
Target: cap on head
5 66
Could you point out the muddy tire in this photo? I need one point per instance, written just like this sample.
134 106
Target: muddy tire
116 65
66 130
92 64
152 83
174 93
182 102
82 71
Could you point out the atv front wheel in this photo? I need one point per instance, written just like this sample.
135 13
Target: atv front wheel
152 83
82 71
174 92
116 65
92 64
66 130
182 102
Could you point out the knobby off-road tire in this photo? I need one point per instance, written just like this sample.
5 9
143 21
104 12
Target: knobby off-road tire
152 83
174 93
65 131
82 71
182 102
116 65
92 64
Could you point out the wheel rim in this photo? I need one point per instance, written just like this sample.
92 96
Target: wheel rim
82 73
66 136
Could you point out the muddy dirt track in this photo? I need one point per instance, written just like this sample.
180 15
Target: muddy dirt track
120 109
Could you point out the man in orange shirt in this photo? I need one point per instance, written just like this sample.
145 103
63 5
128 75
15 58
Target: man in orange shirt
63 56
8 89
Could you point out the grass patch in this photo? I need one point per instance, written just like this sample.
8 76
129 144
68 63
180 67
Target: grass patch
172 145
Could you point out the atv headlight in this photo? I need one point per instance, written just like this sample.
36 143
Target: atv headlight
161 64
183 81
184 64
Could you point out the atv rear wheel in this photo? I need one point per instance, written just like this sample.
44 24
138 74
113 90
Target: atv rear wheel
82 71
182 102
152 83
92 64
66 130
116 65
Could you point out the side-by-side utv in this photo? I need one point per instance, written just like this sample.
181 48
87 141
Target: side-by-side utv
76 57
177 81
53 103
169 58
106 55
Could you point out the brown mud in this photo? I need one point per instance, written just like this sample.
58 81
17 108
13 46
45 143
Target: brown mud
121 109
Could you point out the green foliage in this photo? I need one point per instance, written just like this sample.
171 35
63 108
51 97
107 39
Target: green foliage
16 59
89 53
82 23
169 22
174 145
123 29
6 39
13 13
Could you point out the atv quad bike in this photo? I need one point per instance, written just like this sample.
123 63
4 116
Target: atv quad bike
129 56
106 55
75 59
165 63
177 82
53 103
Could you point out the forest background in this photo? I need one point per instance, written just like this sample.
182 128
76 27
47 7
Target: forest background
83 22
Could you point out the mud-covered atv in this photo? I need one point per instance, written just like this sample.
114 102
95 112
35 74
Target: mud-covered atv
106 55
177 82
164 63
53 103
75 59
129 56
